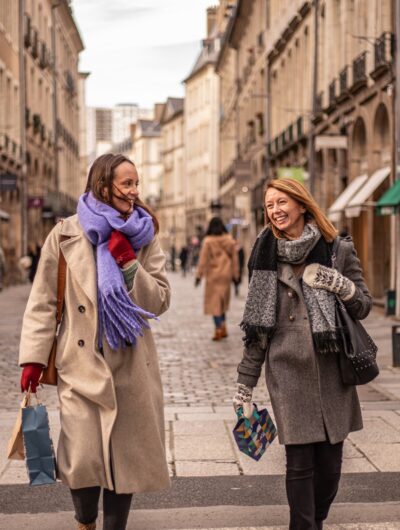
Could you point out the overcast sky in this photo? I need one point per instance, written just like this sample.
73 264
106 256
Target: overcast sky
138 51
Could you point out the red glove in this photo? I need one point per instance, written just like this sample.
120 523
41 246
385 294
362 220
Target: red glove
30 376
120 248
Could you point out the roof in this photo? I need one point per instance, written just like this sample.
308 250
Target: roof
173 107
208 55
149 128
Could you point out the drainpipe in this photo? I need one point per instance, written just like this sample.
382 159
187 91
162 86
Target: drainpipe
311 143
22 104
55 107
397 148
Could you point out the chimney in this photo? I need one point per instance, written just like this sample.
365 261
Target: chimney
211 19
158 110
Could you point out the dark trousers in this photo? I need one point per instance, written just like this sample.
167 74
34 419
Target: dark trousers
115 507
312 481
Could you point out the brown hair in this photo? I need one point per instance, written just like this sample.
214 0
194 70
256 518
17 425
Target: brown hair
101 175
300 193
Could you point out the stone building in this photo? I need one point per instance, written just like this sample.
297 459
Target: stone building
146 154
10 132
201 131
39 119
328 88
241 67
171 208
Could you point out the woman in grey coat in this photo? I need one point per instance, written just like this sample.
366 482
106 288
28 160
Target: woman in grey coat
289 322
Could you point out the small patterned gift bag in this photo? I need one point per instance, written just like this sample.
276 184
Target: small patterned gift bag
253 435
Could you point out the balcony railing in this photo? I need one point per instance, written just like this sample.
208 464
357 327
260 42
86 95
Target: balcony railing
27 30
360 70
318 103
299 126
332 93
384 52
343 80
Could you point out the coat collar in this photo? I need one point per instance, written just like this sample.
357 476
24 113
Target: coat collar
79 255
288 277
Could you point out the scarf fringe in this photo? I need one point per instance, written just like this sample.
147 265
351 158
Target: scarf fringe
252 333
125 320
326 342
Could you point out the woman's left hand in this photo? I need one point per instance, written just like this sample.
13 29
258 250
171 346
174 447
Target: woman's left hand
120 248
320 277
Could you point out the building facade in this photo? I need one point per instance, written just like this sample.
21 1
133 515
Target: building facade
10 132
242 70
171 208
201 131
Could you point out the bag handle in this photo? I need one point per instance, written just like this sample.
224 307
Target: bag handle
334 251
61 281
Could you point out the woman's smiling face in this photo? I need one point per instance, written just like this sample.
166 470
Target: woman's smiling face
285 213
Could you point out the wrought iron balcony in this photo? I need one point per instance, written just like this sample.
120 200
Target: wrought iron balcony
343 80
384 50
360 71
299 126
332 93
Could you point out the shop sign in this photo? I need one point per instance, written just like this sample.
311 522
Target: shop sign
295 173
330 141
35 202
8 182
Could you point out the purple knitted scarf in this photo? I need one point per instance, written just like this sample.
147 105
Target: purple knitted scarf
120 319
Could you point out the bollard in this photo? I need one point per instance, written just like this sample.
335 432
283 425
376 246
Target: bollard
396 345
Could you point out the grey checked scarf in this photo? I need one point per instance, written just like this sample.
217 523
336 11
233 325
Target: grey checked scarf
262 299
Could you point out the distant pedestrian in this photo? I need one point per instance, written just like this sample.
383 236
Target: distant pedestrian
2 267
218 263
241 258
34 253
173 258
289 322
109 385
183 258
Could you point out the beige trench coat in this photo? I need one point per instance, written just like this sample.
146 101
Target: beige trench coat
219 264
111 406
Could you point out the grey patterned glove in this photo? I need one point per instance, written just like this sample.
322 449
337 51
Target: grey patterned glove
320 277
243 398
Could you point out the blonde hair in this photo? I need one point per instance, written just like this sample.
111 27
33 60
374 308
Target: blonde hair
300 193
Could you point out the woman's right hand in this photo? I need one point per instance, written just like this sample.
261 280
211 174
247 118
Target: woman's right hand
30 376
243 399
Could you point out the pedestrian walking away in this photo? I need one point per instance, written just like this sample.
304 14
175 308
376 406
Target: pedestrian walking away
289 322
241 258
218 263
183 258
109 385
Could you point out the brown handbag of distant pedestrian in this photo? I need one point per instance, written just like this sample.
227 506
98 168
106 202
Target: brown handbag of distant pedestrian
49 374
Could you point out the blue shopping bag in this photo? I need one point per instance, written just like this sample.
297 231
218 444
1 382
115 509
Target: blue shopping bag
253 435
39 452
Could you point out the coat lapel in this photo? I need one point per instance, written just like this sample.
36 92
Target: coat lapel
79 255
287 276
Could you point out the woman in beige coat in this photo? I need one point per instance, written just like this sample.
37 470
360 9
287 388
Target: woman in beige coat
109 386
219 264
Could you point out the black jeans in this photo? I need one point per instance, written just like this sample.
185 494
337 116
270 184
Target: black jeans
115 507
312 481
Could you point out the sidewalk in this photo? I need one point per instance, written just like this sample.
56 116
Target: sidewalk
199 381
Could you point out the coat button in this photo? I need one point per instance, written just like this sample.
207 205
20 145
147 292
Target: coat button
81 309
290 294
291 318
81 343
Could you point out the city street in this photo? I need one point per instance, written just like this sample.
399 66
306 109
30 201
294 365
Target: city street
214 486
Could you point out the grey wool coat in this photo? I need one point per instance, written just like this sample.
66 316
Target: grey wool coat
111 405
309 400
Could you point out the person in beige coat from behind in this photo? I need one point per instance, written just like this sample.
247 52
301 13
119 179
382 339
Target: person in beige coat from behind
111 401
219 264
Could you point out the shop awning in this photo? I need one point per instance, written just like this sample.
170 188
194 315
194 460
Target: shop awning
4 216
389 202
336 209
360 199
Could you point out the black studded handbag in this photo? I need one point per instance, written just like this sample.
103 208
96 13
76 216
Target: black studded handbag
357 357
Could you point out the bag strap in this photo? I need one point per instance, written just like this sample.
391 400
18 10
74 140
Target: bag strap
61 281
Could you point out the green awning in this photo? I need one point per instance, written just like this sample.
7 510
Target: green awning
389 202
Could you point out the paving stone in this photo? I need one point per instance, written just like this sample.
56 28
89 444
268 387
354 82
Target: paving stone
375 429
357 465
210 448
386 457
199 428
350 451
206 469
